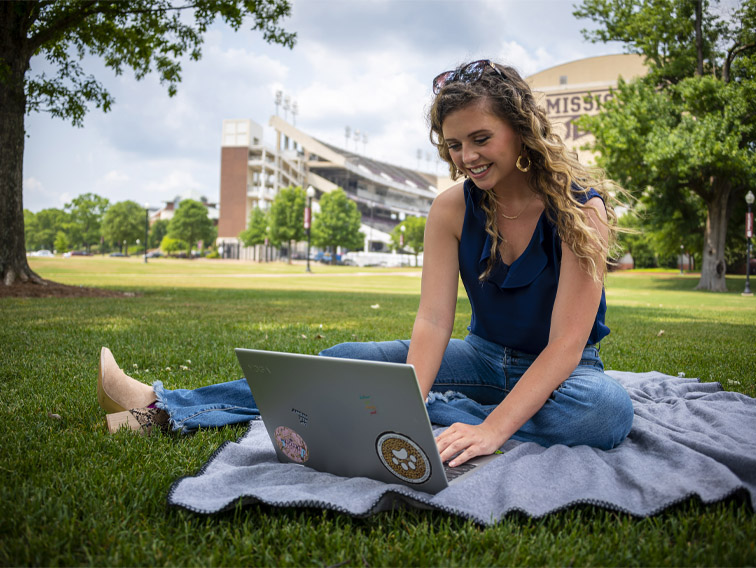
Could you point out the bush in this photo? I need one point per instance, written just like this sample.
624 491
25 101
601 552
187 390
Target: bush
169 245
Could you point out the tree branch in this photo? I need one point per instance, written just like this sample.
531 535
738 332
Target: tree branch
91 8
68 20
732 53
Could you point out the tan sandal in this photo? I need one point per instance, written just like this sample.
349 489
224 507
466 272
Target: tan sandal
141 420
116 391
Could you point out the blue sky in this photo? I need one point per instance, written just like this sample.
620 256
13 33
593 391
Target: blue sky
366 64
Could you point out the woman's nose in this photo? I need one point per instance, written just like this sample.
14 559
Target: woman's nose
469 155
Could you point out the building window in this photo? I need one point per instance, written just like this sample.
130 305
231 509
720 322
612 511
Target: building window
563 79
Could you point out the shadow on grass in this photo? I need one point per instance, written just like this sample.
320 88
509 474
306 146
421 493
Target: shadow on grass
672 282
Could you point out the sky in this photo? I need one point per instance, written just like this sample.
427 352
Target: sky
365 64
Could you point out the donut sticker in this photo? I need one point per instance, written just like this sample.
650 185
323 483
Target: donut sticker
403 457
291 444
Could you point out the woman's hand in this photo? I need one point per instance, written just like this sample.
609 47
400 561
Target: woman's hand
472 441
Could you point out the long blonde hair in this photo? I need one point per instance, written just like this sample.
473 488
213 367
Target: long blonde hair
555 172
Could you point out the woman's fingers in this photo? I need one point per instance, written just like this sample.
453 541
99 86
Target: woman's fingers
465 442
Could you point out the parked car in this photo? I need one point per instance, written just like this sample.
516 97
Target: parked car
80 253
118 254
154 254
325 257
42 252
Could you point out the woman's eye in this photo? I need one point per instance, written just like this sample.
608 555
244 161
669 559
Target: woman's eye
454 147
482 140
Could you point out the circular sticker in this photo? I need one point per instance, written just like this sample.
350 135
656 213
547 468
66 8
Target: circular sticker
403 457
291 444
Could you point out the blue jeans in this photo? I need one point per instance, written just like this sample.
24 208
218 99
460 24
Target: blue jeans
588 408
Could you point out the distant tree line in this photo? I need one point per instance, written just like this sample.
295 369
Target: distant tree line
91 223
337 224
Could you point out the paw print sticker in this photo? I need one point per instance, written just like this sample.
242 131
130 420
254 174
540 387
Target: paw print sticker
403 457
291 444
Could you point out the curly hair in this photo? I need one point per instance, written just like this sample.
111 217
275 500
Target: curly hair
555 172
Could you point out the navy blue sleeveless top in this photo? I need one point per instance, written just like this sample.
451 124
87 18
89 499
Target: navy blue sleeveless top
513 306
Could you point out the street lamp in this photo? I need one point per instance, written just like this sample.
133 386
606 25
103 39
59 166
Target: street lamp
146 228
308 221
749 233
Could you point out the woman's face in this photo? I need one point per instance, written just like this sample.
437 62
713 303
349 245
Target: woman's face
482 146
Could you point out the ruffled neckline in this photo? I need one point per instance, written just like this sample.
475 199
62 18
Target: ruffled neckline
526 268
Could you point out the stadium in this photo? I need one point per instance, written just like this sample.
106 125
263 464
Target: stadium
252 171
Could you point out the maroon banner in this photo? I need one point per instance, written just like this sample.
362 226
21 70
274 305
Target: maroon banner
307 218
749 225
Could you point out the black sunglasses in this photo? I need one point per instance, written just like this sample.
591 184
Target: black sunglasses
470 73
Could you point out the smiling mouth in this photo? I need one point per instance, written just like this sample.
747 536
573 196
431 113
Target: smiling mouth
479 169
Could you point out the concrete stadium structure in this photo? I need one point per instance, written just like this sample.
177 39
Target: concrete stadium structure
252 172
574 89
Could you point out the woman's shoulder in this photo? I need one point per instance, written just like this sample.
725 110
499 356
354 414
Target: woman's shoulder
584 194
448 208
452 198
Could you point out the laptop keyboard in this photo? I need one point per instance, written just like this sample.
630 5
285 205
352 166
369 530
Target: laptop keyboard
454 472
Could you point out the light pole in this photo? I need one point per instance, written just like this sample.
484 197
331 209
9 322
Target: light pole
749 233
682 253
146 228
308 221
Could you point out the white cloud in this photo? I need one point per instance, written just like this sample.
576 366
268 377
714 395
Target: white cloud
115 177
364 64
174 183
37 196
522 59
33 184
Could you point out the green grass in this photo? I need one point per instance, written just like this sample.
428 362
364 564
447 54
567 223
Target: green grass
75 495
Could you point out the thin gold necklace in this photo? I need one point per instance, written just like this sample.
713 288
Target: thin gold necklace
512 218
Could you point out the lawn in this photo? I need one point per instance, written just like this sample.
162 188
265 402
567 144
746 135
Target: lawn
75 495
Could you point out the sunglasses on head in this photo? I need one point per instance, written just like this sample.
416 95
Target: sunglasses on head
469 73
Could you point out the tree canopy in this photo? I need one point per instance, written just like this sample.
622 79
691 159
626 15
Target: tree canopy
257 230
86 211
682 138
43 227
338 222
414 234
286 217
123 223
158 230
191 224
143 35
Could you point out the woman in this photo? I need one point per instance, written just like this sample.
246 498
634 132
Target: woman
528 233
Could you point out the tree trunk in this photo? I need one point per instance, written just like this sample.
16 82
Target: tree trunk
713 267
699 38
14 61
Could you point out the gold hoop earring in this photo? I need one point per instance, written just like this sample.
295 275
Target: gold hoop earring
520 166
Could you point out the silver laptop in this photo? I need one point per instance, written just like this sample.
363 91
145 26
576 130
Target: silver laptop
349 417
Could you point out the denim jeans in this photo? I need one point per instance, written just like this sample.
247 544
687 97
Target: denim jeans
588 408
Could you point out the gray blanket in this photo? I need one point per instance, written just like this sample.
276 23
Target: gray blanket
689 439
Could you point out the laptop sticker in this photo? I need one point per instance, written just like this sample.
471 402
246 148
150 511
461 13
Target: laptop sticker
291 444
403 457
